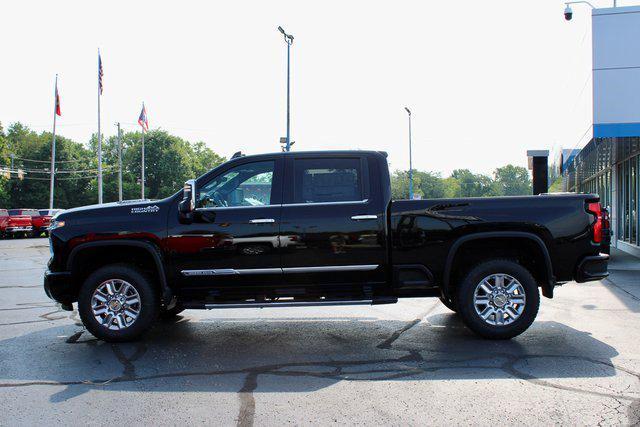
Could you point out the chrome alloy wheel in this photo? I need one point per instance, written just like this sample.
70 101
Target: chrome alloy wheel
499 299
115 304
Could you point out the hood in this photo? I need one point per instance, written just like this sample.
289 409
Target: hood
114 211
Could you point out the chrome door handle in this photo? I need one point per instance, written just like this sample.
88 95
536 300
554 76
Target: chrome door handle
262 221
363 217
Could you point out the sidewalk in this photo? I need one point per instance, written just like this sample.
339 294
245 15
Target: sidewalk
624 273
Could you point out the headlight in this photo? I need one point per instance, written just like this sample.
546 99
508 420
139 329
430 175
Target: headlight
56 224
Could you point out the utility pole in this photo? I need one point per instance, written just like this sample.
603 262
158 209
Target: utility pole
119 162
99 134
410 160
53 144
288 38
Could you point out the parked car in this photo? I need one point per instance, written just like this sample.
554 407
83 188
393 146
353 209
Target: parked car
20 222
4 222
347 243
42 221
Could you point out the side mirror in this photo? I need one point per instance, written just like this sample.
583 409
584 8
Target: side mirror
188 203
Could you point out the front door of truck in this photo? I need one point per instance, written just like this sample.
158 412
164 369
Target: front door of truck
233 240
332 229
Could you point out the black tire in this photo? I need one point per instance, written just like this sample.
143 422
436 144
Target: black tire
149 302
475 322
172 312
450 304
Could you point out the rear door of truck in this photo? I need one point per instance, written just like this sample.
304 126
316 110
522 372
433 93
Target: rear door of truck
333 223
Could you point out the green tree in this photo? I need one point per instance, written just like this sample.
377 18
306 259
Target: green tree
400 184
32 156
170 161
4 162
431 184
451 188
475 185
513 180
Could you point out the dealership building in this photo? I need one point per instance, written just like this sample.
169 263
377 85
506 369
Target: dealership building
609 164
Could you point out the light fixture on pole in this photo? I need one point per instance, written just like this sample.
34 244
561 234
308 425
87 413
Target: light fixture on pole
288 38
410 160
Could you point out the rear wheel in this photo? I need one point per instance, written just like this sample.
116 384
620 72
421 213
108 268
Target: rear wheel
118 303
498 299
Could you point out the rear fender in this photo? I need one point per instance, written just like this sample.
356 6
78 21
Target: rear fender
548 281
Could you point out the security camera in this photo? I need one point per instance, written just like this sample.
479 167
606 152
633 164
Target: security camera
568 13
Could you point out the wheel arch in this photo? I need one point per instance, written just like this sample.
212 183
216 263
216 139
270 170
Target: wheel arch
544 275
146 251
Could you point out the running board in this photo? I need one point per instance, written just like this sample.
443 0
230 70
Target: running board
210 306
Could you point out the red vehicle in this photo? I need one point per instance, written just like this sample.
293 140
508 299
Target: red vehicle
42 221
20 222
4 221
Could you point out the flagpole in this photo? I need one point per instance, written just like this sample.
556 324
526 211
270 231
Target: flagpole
142 180
53 144
99 139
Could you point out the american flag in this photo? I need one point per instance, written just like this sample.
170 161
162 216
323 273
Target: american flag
57 100
142 120
100 73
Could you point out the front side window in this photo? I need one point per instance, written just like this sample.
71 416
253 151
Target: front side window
327 180
244 185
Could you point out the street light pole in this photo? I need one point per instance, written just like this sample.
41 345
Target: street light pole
410 159
288 38
119 162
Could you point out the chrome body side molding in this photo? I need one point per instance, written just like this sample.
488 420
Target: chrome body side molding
290 270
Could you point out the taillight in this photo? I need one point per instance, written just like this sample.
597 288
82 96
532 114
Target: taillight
596 210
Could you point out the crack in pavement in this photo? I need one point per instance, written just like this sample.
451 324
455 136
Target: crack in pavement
339 371
19 286
247 410
386 344
129 369
29 306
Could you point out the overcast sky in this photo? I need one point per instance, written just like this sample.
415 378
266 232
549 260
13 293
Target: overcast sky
486 80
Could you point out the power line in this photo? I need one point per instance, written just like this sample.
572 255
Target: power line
48 161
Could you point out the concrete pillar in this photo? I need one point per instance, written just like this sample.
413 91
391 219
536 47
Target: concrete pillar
539 165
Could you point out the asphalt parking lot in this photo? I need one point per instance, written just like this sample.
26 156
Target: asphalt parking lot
408 363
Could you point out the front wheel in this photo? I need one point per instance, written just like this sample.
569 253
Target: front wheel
118 303
498 299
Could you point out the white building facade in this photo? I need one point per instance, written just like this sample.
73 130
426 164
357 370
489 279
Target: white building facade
609 164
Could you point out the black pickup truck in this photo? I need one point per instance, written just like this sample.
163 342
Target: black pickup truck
318 228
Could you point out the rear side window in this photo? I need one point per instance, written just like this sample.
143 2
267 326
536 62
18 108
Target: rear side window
15 212
3 212
326 180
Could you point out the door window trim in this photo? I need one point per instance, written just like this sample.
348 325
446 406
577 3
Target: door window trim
216 208
277 186
346 202
288 187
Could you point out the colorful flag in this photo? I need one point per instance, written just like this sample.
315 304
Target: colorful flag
100 73
142 120
57 101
